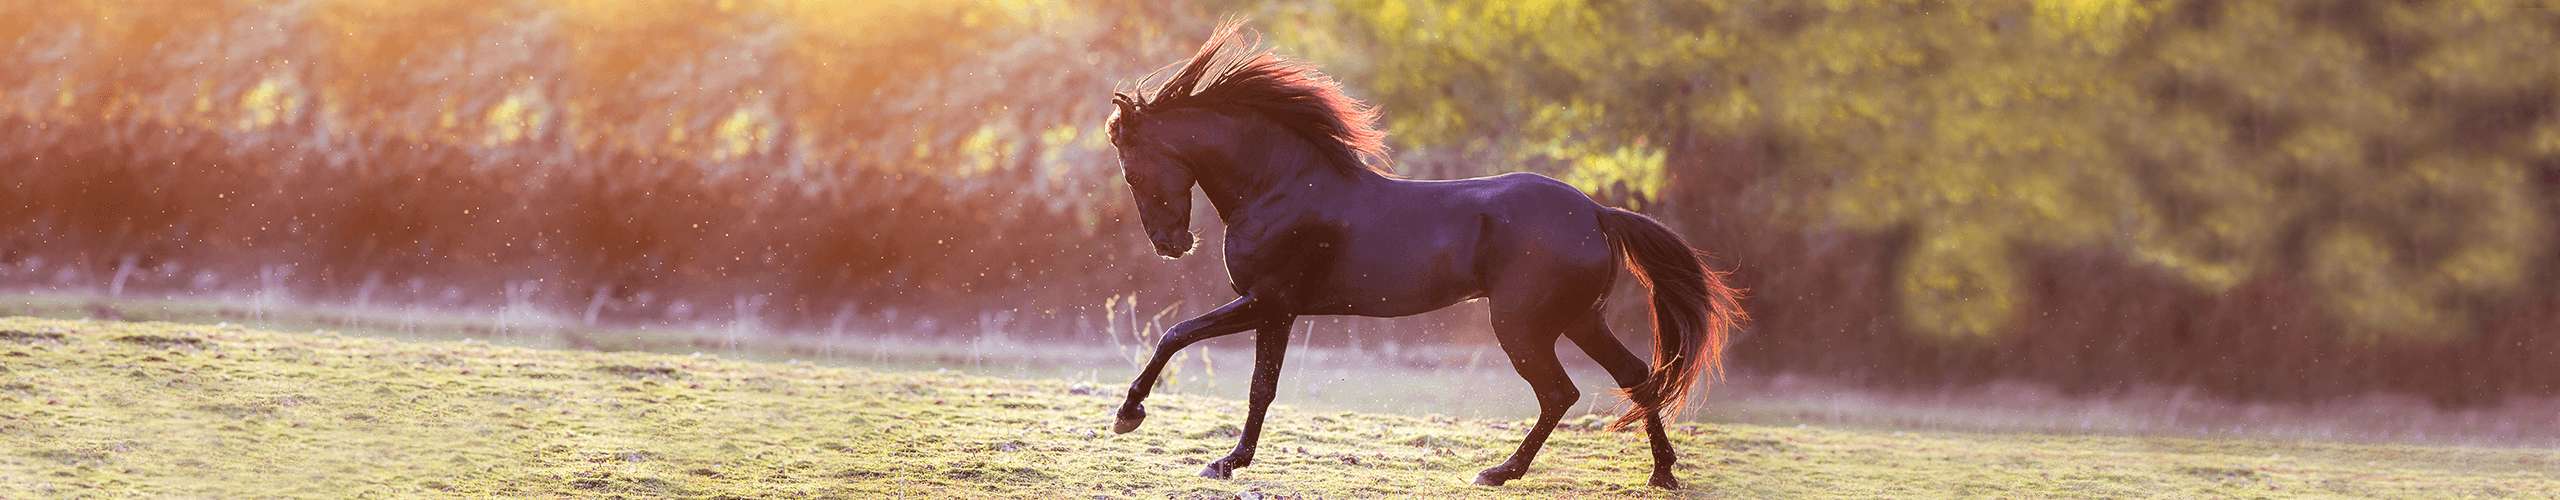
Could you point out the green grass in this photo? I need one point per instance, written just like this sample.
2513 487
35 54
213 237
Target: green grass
165 409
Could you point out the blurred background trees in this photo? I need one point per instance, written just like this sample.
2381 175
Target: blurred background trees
2385 152
2284 199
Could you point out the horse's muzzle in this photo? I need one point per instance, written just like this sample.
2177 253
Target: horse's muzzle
1174 246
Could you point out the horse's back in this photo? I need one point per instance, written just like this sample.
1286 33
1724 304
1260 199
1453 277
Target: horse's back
1423 245
1543 226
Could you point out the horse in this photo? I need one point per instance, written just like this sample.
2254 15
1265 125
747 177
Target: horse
1316 225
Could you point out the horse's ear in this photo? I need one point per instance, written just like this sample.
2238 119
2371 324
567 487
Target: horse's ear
1128 106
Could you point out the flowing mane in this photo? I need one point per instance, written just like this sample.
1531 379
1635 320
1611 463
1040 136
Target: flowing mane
1286 91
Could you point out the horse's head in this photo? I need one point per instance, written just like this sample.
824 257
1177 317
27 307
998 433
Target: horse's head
1159 181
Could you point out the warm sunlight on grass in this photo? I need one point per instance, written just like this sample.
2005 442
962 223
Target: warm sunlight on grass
156 409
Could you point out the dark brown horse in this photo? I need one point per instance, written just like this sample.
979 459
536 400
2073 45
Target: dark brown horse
1314 228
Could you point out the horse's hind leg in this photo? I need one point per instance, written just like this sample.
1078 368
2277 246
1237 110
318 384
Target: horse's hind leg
1528 334
1629 371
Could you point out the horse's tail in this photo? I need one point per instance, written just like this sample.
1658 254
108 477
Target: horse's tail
1693 311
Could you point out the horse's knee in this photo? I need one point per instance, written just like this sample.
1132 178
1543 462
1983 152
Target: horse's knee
1628 377
1181 336
1170 343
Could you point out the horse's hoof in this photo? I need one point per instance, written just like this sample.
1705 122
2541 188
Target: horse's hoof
1219 470
1496 476
1129 420
1663 480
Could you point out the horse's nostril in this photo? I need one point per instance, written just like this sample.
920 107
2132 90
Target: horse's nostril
1173 246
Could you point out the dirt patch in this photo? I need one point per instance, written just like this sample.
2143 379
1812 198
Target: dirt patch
1432 441
73 457
27 337
254 409
1752 445
2224 474
641 371
163 341
1222 431
235 410
626 456
85 455
643 486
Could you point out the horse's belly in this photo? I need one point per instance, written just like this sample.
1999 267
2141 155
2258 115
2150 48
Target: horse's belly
1388 305
1388 280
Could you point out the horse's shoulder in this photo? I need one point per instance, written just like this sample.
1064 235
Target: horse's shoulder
1283 230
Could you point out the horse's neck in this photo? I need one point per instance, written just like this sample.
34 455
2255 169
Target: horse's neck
1259 174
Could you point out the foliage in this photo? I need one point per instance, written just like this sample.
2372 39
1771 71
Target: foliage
2385 151
2290 199
656 163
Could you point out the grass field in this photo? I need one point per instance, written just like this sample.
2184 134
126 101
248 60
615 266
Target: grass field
164 409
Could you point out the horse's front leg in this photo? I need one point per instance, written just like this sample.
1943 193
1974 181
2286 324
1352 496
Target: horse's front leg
1270 345
1242 314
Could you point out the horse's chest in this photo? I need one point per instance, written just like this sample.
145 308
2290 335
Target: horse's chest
1278 258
